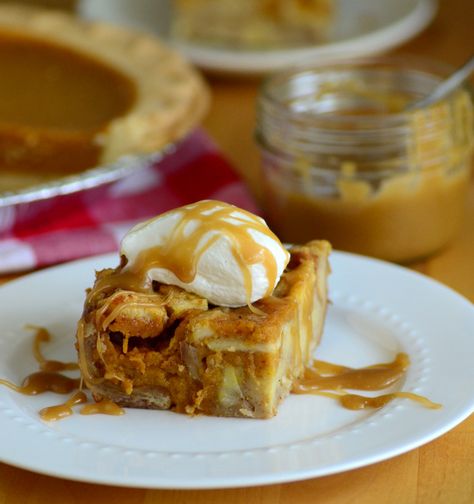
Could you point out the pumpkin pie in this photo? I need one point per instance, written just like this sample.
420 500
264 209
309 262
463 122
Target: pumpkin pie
76 94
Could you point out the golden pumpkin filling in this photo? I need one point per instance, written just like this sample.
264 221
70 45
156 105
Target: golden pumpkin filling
76 94
54 102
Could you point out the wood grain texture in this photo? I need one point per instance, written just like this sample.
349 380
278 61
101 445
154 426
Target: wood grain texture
441 472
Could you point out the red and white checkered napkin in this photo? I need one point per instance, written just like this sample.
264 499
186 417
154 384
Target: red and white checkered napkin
97 220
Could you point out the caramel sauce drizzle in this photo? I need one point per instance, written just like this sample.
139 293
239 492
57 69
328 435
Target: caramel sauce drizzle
53 413
43 336
83 365
102 321
186 245
43 381
48 379
104 407
323 377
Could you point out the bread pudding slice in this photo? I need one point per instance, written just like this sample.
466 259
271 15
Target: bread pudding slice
171 349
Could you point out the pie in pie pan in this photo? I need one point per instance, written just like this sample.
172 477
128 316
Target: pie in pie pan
76 94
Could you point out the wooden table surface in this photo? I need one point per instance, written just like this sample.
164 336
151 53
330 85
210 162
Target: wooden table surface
441 471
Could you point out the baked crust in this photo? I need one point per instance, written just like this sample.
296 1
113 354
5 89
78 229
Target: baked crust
171 98
171 350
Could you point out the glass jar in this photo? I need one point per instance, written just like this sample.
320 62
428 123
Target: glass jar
344 160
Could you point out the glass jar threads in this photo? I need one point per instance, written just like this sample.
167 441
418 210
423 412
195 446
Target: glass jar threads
344 159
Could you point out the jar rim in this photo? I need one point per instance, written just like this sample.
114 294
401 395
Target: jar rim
407 62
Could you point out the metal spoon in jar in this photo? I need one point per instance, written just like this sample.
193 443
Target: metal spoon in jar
447 86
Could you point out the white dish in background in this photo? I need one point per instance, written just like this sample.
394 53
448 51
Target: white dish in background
359 28
377 310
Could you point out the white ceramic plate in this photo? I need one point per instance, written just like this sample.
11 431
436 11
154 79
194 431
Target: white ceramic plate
377 310
359 28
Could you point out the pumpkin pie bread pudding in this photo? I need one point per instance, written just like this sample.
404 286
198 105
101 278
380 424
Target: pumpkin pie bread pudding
252 24
77 94
206 313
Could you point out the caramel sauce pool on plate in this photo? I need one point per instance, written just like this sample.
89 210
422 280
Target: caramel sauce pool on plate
48 379
323 377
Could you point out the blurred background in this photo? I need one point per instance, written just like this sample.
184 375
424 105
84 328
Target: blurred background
237 45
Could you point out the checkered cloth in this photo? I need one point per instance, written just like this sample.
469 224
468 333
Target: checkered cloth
93 222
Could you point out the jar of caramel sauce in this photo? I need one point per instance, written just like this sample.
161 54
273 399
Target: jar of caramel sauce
346 158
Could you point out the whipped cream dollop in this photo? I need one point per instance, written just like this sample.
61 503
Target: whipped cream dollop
220 252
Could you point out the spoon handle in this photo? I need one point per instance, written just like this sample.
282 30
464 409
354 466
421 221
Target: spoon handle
448 85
